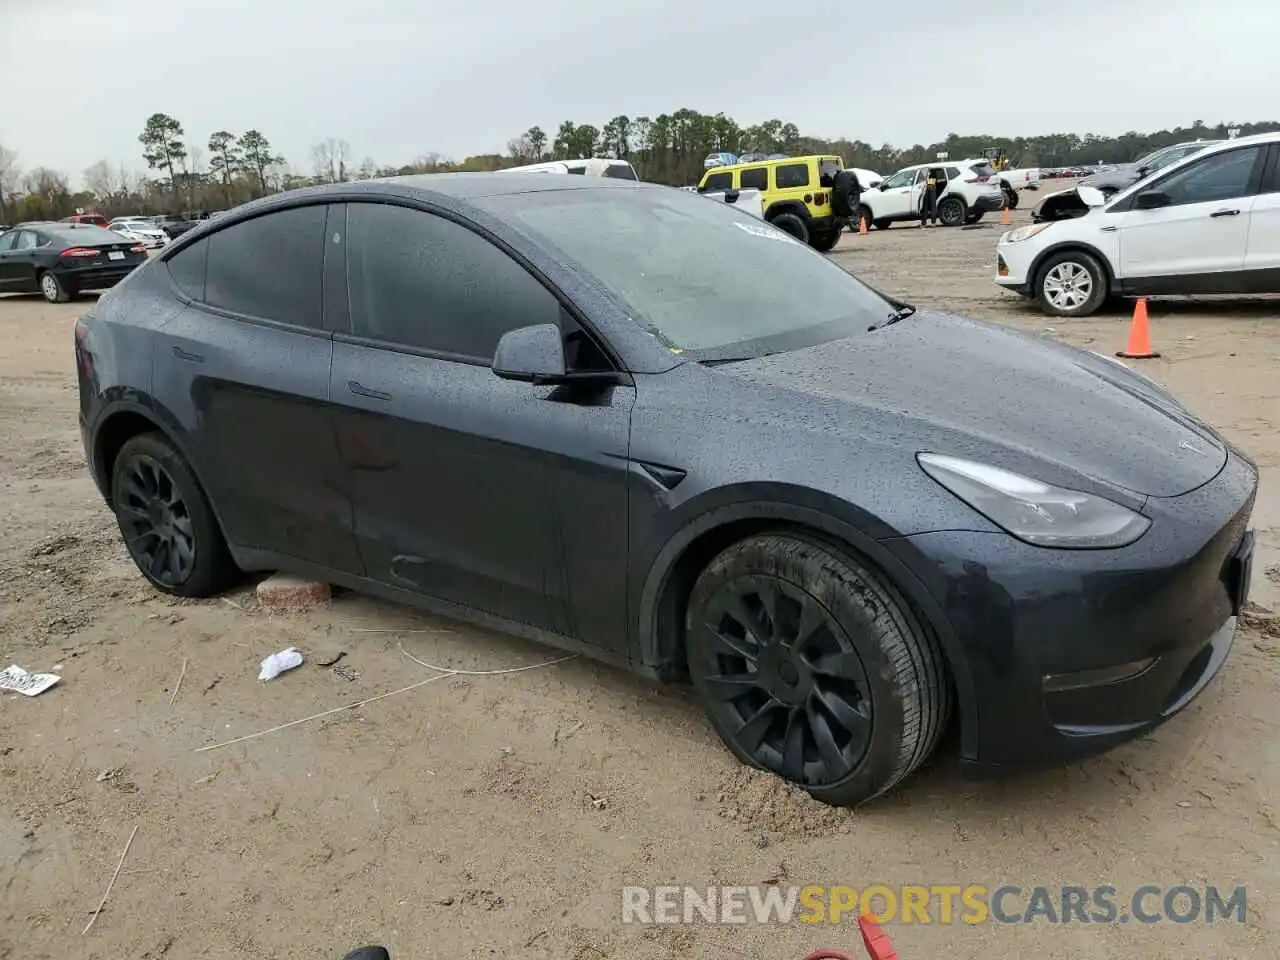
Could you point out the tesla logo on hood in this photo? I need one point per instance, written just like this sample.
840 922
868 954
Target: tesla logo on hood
1188 445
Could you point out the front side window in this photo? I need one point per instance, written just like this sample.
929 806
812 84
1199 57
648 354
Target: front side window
704 278
900 179
1222 176
791 175
270 267
718 181
422 281
757 178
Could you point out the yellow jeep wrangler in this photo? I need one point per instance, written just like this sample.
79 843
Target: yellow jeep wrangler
797 194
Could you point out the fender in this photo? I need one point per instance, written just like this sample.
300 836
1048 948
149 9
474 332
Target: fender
787 206
649 643
1081 245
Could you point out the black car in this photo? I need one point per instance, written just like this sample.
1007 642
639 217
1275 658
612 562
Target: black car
62 259
598 413
175 226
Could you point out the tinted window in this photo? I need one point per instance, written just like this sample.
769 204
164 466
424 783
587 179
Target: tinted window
269 266
580 171
187 269
620 171
426 282
756 178
1219 177
827 171
718 181
26 241
953 173
791 175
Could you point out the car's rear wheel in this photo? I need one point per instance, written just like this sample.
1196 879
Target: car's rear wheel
864 216
53 289
883 223
824 242
1071 284
951 211
793 224
810 665
975 216
168 526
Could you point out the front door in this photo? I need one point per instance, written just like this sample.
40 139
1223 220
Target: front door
1199 236
484 493
246 367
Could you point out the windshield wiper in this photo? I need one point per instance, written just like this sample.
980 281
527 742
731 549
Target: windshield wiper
717 361
901 313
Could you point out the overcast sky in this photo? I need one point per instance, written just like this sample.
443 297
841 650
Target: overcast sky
400 78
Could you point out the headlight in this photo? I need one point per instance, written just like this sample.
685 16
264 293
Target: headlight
1036 512
1025 233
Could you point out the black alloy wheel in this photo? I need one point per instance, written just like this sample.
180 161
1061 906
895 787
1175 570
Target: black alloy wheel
810 666
156 522
166 521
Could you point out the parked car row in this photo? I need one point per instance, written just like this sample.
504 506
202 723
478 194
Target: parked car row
60 259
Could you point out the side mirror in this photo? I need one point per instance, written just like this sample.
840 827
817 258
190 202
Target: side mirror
1151 200
1143 171
882 185
531 354
731 196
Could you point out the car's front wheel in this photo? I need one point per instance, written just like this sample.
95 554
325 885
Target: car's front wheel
1071 284
810 665
168 526
53 289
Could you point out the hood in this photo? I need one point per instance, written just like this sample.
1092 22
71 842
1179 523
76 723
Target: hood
972 389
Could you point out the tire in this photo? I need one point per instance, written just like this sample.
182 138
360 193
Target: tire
951 211
861 675
825 242
1010 197
975 216
53 288
864 215
793 224
1078 271
882 224
164 516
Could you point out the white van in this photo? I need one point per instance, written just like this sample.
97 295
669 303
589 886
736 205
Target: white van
592 167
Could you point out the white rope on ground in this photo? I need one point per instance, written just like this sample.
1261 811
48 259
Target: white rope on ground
124 853
485 673
444 673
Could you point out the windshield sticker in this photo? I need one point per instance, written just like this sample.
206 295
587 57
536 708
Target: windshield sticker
766 233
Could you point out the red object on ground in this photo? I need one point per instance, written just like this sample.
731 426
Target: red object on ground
878 945
826 954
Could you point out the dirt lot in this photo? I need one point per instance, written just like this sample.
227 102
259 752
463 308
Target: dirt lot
496 816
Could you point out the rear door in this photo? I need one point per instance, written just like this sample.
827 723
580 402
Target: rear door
1196 243
245 371
1262 250
469 489
10 269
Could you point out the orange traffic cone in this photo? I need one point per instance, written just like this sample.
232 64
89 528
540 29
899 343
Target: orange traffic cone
862 224
1004 217
1139 347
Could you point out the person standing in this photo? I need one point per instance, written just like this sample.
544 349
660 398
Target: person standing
933 184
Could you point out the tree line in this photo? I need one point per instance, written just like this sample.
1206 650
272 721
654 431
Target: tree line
196 173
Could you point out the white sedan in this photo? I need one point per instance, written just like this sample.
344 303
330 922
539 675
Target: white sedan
140 231
1207 224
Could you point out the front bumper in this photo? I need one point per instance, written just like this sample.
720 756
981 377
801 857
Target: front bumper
1074 651
1013 265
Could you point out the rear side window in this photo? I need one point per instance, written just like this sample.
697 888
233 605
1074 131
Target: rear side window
790 175
187 269
718 181
756 178
983 169
270 267
620 171
425 282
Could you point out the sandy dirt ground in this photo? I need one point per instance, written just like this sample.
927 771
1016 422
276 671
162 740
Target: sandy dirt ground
499 816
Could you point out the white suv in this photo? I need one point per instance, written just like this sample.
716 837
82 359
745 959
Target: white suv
972 189
1207 224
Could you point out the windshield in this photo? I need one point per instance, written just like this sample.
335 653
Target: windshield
703 277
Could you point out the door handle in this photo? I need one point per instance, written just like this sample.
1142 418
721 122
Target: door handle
183 355
1224 213
363 391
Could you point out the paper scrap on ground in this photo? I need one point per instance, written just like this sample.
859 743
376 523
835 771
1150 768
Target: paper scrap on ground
278 663
28 684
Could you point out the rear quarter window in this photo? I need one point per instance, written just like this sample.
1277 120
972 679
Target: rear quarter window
757 178
790 175
186 268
